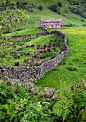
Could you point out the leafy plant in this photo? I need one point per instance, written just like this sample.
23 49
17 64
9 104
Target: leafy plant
53 8
59 4
17 104
40 7
72 103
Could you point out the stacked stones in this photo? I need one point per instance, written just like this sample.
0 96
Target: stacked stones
30 74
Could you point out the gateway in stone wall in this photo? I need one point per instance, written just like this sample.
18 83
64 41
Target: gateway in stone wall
51 23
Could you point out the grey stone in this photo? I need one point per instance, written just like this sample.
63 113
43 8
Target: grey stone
47 92
56 95
30 85
35 89
30 74
1 81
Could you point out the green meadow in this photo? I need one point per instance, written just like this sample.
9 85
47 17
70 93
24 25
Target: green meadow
73 67
35 16
18 49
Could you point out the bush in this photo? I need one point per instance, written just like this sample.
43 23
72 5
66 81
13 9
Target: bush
71 68
40 7
82 20
59 4
71 106
17 104
24 3
53 8
84 25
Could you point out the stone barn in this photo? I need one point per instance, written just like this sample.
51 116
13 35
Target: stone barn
51 23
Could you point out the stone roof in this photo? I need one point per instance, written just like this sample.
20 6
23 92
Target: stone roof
52 20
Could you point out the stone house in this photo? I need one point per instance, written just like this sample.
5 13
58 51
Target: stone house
51 23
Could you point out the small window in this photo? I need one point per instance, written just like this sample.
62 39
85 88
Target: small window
51 26
61 26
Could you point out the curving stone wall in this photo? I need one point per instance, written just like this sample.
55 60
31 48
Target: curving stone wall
30 74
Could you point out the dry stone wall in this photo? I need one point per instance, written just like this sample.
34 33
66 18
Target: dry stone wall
30 74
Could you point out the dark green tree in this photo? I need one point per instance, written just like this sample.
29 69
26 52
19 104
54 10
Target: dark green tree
53 8
59 4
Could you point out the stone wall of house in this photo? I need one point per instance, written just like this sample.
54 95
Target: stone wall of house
31 74
51 25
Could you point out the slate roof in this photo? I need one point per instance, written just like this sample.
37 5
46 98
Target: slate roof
52 20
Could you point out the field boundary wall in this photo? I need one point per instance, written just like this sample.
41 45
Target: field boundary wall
31 74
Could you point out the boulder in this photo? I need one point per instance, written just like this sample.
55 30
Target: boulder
56 95
47 92
30 85
35 89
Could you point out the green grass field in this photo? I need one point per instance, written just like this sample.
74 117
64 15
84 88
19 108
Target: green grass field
75 61
76 41
72 68
14 50
35 16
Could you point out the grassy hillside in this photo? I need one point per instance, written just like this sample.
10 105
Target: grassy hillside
20 50
73 67
44 3
68 18
35 16
76 41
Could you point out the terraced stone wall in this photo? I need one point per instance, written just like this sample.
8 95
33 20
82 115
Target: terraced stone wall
31 74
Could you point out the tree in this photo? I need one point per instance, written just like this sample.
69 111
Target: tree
12 18
40 7
4 4
59 4
53 8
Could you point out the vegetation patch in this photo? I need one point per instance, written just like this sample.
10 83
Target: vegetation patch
33 48
71 68
18 104
76 41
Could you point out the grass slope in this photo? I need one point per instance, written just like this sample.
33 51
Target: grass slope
76 60
11 49
44 3
35 16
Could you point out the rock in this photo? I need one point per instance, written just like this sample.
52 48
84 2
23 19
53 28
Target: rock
30 85
56 95
48 99
35 89
47 92
1 81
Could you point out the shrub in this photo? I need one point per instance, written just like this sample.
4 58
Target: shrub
24 3
84 25
76 60
53 8
17 104
82 20
59 4
71 106
71 68
40 7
